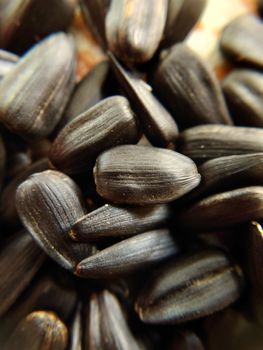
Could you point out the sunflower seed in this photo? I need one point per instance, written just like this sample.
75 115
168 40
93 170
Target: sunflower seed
76 331
20 260
107 327
129 255
189 89
45 84
48 204
242 40
2 160
7 62
187 340
39 330
217 212
159 126
134 38
112 221
206 142
194 286
144 175
107 124
243 90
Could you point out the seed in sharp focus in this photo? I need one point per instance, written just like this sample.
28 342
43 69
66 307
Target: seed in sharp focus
20 260
109 123
189 89
144 175
113 221
131 37
7 62
242 40
205 142
106 326
182 15
34 94
159 126
191 287
39 330
129 255
48 204
217 212
243 89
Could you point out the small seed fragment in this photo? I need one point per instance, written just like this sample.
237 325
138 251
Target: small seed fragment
131 37
48 204
131 254
112 221
39 330
189 89
144 175
107 124
191 287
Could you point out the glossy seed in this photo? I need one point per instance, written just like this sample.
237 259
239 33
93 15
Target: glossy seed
115 221
39 330
8 212
23 23
34 94
242 40
20 260
205 142
159 126
189 89
144 175
182 15
216 212
191 287
107 124
134 38
48 204
243 89
7 62
106 326
131 254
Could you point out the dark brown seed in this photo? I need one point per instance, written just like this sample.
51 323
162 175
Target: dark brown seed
243 89
144 175
186 340
7 62
206 142
8 212
131 37
20 260
260 7
112 221
107 327
189 89
242 40
223 210
39 330
16 163
34 94
107 124
22 23
76 331
194 286
129 255
48 204
159 126
182 15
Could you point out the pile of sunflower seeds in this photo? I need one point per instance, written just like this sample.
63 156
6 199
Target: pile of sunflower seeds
131 202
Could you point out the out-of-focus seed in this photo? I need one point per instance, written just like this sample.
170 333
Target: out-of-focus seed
7 62
186 340
144 175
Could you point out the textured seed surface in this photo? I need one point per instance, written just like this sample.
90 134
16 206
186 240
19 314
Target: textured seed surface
116 221
217 212
48 204
33 95
39 330
190 288
242 40
129 255
206 142
159 126
135 38
140 175
109 123
189 89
